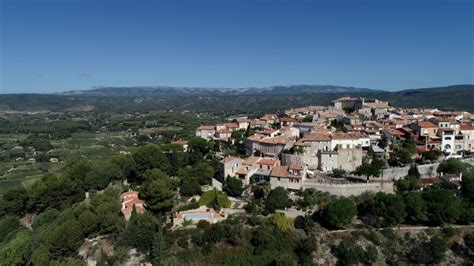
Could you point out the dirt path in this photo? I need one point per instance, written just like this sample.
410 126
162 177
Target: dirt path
402 228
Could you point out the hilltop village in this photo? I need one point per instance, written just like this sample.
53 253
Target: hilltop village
353 138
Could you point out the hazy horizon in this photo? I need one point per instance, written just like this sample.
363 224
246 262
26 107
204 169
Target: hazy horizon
51 46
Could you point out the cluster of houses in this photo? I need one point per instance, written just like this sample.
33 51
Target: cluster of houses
288 147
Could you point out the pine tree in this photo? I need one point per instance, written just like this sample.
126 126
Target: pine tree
159 248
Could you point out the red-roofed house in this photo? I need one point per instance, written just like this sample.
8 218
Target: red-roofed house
288 176
287 121
229 166
129 200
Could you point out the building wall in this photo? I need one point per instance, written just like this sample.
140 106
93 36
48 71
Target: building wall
311 161
426 170
447 143
228 169
468 140
347 190
349 159
265 148
205 134
328 161
285 183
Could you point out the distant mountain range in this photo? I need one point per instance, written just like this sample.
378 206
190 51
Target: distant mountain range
156 91
128 99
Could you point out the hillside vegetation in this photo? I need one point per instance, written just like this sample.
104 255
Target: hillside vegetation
457 97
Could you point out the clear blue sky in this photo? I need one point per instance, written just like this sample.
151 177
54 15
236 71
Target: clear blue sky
51 46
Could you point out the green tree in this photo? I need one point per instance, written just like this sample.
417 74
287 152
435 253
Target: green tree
432 155
128 167
371 254
402 153
202 171
443 206
308 118
199 145
89 222
233 187
151 156
66 239
451 166
368 170
8 225
280 221
141 229
77 169
339 213
159 253
338 173
100 175
190 187
214 199
158 195
408 184
467 184
18 250
469 241
45 218
151 175
413 171
389 207
431 252
41 256
54 192
416 207
277 200
14 202
349 253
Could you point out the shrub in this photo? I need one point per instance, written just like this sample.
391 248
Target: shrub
202 224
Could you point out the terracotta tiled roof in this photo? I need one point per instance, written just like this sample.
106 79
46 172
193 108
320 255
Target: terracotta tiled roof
134 201
208 127
242 171
280 171
349 135
129 194
252 160
288 119
228 159
296 166
466 127
274 140
426 124
317 137
267 161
